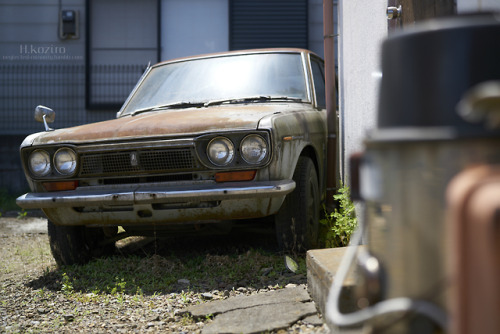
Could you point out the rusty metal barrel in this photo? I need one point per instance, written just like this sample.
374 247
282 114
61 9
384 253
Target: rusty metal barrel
424 138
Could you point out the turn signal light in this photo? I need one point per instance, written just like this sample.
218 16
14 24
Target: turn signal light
60 186
247 175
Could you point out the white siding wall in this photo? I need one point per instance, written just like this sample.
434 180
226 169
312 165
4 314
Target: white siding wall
362 28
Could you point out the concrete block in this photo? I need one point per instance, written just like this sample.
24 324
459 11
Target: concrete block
322 265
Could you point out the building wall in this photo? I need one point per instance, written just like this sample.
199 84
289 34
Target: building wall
27 23
464 6
204 25
123 32
316 42
359 51
32 59
362 28
38 67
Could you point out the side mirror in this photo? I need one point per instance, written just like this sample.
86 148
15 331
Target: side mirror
45 115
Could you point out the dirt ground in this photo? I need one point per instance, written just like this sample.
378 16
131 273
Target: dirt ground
36 296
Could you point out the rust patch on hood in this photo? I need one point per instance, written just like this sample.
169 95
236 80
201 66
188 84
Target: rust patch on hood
190 121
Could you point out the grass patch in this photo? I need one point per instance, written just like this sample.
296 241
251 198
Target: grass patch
176 272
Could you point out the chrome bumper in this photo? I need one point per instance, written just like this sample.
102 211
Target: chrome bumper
147 194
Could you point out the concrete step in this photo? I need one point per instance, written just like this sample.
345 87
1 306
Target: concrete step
322 264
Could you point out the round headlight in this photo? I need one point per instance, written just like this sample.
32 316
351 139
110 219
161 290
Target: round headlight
39 162
65 161
253 149
220 151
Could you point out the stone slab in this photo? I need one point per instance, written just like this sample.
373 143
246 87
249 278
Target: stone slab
260 318
296 294
314 320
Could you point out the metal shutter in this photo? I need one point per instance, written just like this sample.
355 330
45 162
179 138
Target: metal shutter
268 23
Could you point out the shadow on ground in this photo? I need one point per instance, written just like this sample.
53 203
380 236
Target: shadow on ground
245 258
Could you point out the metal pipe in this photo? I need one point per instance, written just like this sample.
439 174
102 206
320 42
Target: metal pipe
399 305
331 104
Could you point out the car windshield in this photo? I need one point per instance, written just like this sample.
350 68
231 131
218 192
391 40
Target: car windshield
203 81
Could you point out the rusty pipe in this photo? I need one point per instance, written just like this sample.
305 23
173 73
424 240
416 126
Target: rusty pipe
331 102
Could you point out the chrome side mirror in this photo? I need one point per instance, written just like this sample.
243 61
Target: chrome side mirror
45 115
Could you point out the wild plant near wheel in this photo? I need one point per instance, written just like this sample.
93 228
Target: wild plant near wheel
342 222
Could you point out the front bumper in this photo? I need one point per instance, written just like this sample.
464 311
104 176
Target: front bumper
153 194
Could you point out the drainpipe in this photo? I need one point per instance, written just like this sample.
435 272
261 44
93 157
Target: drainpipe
331 103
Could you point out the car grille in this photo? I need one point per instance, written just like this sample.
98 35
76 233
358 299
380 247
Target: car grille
138 162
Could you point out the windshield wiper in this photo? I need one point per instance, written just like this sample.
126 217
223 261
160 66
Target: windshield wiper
182 104
253 99
176 105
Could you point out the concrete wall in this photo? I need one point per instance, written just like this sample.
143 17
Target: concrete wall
362 28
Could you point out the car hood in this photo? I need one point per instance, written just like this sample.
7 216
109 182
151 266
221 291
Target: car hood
192 121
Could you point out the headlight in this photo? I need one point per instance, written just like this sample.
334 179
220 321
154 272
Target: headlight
65 161
39 163
220 151
253 149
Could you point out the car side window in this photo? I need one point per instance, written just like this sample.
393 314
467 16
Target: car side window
319 82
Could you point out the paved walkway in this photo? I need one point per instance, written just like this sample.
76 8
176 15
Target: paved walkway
258 313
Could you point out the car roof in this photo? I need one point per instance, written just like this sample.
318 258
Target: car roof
236 52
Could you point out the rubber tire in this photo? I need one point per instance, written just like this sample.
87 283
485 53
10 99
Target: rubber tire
297 221
76 244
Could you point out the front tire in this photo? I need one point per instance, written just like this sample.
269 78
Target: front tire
297 221
76 244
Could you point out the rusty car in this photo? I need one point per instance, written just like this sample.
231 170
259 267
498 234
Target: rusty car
220 137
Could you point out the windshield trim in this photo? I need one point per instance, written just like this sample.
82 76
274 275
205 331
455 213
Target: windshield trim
134 90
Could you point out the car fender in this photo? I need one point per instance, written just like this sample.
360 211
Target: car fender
292 134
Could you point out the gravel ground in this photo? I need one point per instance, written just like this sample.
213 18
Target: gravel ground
33 298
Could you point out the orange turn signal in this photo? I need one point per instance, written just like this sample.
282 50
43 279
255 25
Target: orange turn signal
60 186
246 175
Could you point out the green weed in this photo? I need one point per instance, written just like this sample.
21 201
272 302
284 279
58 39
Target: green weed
342 222
22 214
67 284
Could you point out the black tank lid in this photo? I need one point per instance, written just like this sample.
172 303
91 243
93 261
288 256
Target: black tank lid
427 71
